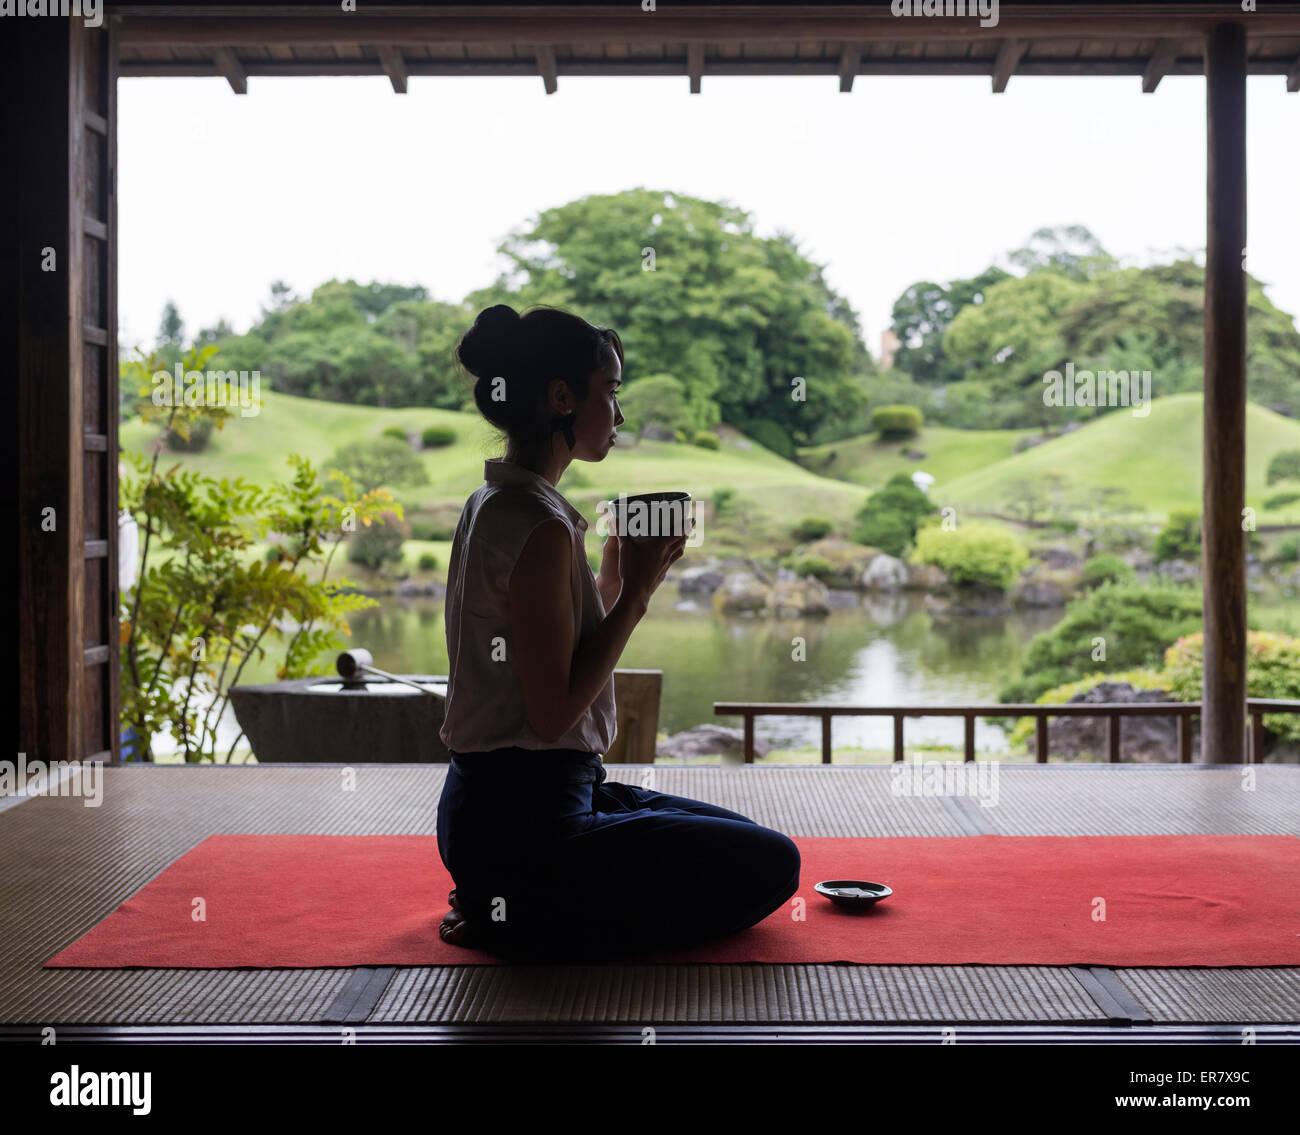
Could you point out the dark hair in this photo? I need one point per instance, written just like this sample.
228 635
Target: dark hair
528 352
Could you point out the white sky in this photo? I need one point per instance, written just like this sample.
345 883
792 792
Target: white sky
903 179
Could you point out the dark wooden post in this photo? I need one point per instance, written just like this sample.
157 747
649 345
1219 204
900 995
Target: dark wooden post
1223 722
57 78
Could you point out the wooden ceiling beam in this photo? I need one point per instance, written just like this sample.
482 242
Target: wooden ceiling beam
227 64
1162 59
695 65
850 60
749 26
546 67
390 58
1009 56
1293 76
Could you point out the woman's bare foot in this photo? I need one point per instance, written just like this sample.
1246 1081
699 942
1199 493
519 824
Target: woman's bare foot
456 929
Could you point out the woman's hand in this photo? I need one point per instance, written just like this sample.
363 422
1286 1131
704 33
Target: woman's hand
645 563
609 580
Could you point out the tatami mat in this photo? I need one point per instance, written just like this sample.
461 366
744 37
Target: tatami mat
68 867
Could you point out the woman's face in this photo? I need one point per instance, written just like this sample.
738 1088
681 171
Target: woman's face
598 416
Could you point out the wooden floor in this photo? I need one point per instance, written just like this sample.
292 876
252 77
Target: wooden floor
67 867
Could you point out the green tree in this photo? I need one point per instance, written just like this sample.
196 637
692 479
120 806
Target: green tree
747 324
383 463
922 315
171 328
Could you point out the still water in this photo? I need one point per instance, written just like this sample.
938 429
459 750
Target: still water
889 651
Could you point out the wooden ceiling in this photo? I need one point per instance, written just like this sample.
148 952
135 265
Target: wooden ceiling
696 41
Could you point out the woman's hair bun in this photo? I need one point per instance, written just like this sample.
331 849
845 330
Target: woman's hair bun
488 347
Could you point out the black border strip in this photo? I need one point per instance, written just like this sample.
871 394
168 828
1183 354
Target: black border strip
358 998
1111 995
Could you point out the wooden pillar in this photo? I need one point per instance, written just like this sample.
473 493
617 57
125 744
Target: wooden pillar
60 350
1223 722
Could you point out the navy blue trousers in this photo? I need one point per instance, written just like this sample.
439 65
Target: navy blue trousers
550 862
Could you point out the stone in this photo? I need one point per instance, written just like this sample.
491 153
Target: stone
848 560
1037 591
838 599
708 741
976 600
1057 556
1142 739
656 431
885 573
1180 571
926 577
702 580
741 592
805 596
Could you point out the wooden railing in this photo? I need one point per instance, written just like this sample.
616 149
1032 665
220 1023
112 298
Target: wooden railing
1114 712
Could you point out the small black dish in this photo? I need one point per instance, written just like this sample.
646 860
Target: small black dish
853 892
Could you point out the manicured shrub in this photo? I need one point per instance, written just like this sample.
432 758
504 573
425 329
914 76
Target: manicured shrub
378 543
437 436
1180 538
1281 500
813 528
1288 550
1272 671
973 555
1284 466
427 561
706 439
1106 568
893 423
1118 626
892 514
812 565
395 432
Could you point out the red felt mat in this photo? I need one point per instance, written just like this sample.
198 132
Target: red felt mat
312 900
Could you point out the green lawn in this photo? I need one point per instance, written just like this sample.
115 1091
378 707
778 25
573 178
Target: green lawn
1156 459
772 494
949 454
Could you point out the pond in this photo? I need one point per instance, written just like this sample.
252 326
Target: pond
889 651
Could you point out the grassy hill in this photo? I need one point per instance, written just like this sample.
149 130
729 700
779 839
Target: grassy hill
949 454
1156 460
772 494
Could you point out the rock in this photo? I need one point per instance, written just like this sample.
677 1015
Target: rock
885 573
699 581
938 606
1037 591
1180 571
708 741
978 601
1027 442
409 589
1057 556
1152 739
926 577
842 599
1139 560
740 592
848 560
656 431
785 575
913 454
805 596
